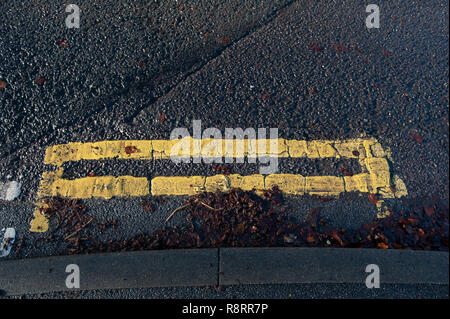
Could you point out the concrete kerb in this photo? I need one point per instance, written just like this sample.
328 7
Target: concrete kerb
224 266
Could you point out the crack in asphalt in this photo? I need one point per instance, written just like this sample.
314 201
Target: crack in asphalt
270 17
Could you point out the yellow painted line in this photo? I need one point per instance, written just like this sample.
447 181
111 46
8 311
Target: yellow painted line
59 154
375 177
288 183
101 187
188 147
39 223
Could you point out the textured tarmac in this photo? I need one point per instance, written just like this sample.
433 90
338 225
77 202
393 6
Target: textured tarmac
311 69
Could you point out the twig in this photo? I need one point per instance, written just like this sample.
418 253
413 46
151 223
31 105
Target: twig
79 229
212 208
173 213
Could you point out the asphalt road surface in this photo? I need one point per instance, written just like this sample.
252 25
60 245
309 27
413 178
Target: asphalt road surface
139 69
307 291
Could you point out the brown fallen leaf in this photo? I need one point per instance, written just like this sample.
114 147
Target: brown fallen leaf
346 171
316 47
130 149
373 199
322 199
147 205
240 229
224 40
62 43
41 81
429 211
335 235
339 48
383 246
416 137
162 117
2 85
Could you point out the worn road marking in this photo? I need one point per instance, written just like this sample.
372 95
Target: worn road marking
375 177
161 149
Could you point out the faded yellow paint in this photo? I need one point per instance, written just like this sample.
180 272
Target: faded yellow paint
320 149
39 223
216 183
357 183
59 154
324 185
399 187
379 173
367 143
383 211
296 148
288 183
350 149
177 185
101 187
377 150
189 147
254 148
270 147
247 183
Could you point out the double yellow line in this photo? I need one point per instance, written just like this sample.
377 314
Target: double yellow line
375 177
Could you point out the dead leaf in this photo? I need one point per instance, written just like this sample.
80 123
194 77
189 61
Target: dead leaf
162 117
339 48
41 81
322 199
373 199
240 229
62 43
416 137
346 171
316 47
429 211
147 205
2 85
130 149
310 239
224 40
335 235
